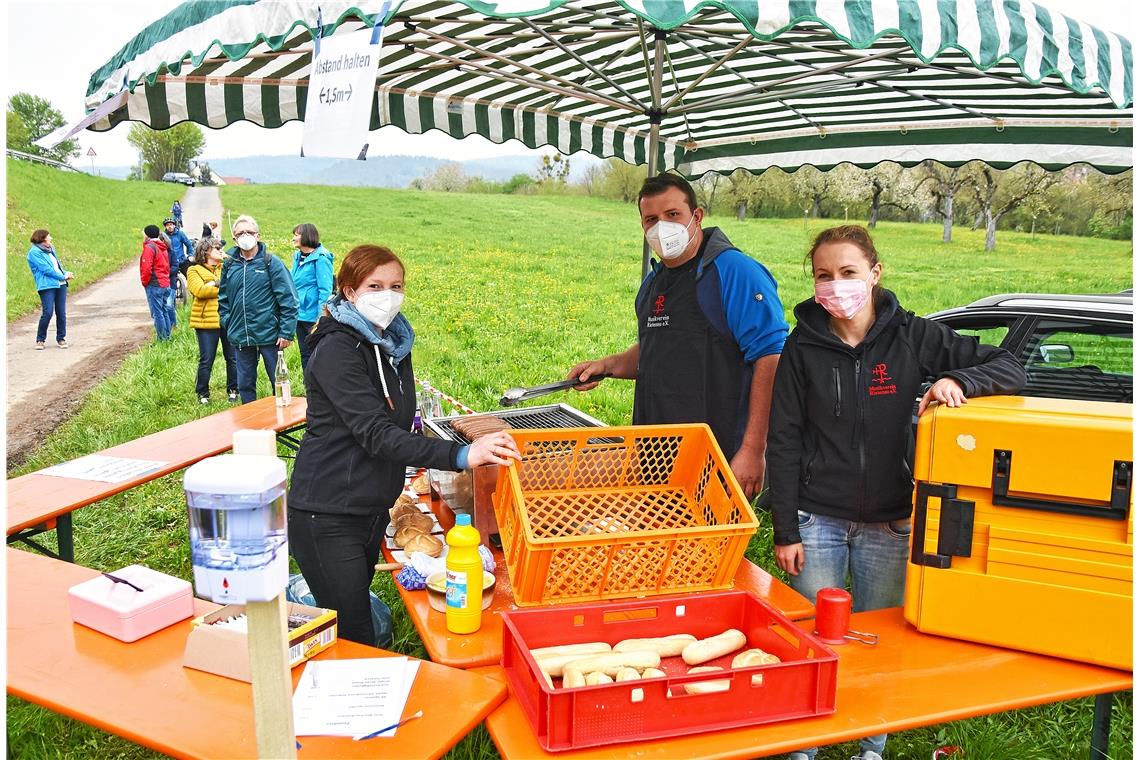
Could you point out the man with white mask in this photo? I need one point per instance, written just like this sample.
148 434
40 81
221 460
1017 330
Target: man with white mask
710 329
257 305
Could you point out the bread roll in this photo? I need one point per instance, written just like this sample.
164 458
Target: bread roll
406 534
422 542
420 485
713 647
405 499
707 687
400 510
751 657
667 646
597 678
418 520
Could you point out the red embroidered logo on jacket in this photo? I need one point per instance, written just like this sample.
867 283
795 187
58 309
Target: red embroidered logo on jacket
881 384
659 305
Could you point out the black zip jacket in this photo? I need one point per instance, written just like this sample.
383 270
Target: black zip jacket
839 430
353 455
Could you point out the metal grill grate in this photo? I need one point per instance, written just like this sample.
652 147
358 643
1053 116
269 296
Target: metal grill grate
529 418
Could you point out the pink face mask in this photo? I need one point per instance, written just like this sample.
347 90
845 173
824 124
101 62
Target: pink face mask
843 299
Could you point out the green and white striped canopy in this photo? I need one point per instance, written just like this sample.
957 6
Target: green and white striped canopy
713 84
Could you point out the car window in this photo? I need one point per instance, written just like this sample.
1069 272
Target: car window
987 329
1078 359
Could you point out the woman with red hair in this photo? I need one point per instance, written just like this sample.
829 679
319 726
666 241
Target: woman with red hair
350 467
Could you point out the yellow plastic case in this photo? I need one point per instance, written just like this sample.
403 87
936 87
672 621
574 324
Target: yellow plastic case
1023 527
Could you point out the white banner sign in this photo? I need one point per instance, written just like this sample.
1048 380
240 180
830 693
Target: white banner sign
342 83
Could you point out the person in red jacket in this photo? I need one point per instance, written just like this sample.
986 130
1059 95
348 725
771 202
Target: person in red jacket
154 271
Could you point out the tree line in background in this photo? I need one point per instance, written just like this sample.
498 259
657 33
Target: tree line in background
1075 201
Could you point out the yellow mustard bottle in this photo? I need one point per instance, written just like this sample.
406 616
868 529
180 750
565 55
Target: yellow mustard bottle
464 609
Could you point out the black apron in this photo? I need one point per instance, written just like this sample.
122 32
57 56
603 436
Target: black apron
688 371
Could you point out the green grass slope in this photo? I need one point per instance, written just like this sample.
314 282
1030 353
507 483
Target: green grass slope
96 224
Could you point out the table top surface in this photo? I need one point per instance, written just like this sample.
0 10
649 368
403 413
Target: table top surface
142 692
33 498
485 646
909 679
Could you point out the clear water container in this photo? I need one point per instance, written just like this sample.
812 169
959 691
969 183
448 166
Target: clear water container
238 538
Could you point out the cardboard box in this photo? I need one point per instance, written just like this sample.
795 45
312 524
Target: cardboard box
141 602
225 651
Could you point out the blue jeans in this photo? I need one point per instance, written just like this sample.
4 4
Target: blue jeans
53 301
156 299
207 351
246 360
337 554
171 313
874 555
303 330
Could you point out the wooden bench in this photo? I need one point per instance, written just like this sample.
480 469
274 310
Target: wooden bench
38 503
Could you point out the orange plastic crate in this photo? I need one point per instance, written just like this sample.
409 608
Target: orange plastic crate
611 513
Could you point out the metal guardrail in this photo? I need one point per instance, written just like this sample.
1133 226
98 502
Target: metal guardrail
17 154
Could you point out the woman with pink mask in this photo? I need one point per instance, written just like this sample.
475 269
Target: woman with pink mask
839 437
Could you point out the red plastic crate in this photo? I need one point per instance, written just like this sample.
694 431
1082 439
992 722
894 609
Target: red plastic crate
802 685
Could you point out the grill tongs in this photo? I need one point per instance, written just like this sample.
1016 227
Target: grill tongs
513 396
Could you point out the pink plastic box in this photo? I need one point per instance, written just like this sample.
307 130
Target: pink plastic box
123 610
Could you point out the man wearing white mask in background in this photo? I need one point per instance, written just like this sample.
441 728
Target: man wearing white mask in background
710 329
257 305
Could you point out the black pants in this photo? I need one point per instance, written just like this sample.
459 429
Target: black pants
303 330
207 351
337 554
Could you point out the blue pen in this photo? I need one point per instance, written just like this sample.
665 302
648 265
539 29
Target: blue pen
413 716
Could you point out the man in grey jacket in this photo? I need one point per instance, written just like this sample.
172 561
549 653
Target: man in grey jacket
257 305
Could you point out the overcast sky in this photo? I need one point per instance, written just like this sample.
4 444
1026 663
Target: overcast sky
54 45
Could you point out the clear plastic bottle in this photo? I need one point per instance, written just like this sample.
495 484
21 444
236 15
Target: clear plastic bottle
464 609
281 387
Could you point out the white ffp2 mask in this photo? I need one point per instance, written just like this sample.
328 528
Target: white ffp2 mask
380 307
247 242
669 239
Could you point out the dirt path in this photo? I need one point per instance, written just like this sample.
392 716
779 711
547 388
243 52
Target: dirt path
106 322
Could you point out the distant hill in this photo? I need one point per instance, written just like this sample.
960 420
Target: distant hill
377 171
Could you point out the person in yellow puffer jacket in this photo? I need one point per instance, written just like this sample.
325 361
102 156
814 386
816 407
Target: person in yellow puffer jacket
202 282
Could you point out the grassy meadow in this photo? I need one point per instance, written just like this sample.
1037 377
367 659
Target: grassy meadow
504 291
95 223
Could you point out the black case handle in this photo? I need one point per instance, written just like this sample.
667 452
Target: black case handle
955 526
1120 494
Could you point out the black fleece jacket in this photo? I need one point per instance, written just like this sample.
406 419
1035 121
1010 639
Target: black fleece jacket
839 430
353 455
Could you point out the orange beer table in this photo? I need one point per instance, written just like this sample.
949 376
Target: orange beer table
140 690
909 680
38 503
485 646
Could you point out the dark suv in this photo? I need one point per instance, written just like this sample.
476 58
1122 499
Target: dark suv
1072 346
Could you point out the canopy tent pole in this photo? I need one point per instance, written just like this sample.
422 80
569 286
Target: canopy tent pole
655 116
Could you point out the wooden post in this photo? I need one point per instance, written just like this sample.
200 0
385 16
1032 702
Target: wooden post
272 683
269 645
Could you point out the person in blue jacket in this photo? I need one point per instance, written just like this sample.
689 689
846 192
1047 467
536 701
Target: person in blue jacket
313 279
257 306
180 250
51 283
710 329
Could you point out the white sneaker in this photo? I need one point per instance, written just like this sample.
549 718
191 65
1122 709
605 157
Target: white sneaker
799 756
867 755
